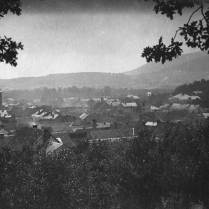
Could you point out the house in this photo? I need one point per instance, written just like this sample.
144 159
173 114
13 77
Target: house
130 107
182 98
188 107
44 115
53 143
101 107
113 102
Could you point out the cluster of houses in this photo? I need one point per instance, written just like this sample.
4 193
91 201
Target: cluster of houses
109 119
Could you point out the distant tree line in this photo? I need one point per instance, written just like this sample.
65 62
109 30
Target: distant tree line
202 85
84 92
147 172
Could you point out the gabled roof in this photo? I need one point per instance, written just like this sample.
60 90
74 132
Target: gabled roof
129 104
101 106
184 97
5 131
65 138
53 146
132 96
206 115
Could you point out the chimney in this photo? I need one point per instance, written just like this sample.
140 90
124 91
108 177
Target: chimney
1 136
35 126
0 100
46 135
94 121
115 125
102 99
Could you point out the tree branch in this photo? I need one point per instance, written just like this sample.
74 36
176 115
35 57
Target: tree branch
202 10
193 14
187 21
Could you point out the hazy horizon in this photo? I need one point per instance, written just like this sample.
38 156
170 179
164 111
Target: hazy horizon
63 36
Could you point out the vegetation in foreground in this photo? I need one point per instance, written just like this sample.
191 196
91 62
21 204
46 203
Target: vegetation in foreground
146 172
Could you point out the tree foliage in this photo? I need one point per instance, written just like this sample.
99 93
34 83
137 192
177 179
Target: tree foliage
195 33
8 47
146 172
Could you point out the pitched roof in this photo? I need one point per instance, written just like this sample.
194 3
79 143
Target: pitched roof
165 106
129 104
206 115
5 131
178 106
65 137
101 106
53 146
111 134
132 96
151 124
184 97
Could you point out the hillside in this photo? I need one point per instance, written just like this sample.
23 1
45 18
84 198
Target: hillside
155 67
185 69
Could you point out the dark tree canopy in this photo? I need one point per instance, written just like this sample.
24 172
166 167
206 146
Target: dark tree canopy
8 47
195 33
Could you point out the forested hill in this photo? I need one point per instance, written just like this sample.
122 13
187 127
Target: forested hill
156 67
185 69
201 88
202 85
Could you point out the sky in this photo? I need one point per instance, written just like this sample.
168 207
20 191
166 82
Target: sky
68 36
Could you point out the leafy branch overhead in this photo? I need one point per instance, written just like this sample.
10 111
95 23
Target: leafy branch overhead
195 33
8 47
8 50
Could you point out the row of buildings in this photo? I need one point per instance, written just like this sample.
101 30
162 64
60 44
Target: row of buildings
107 119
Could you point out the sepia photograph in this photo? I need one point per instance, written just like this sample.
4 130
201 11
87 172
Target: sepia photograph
104 104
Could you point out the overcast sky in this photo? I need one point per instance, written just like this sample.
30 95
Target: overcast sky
64 36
